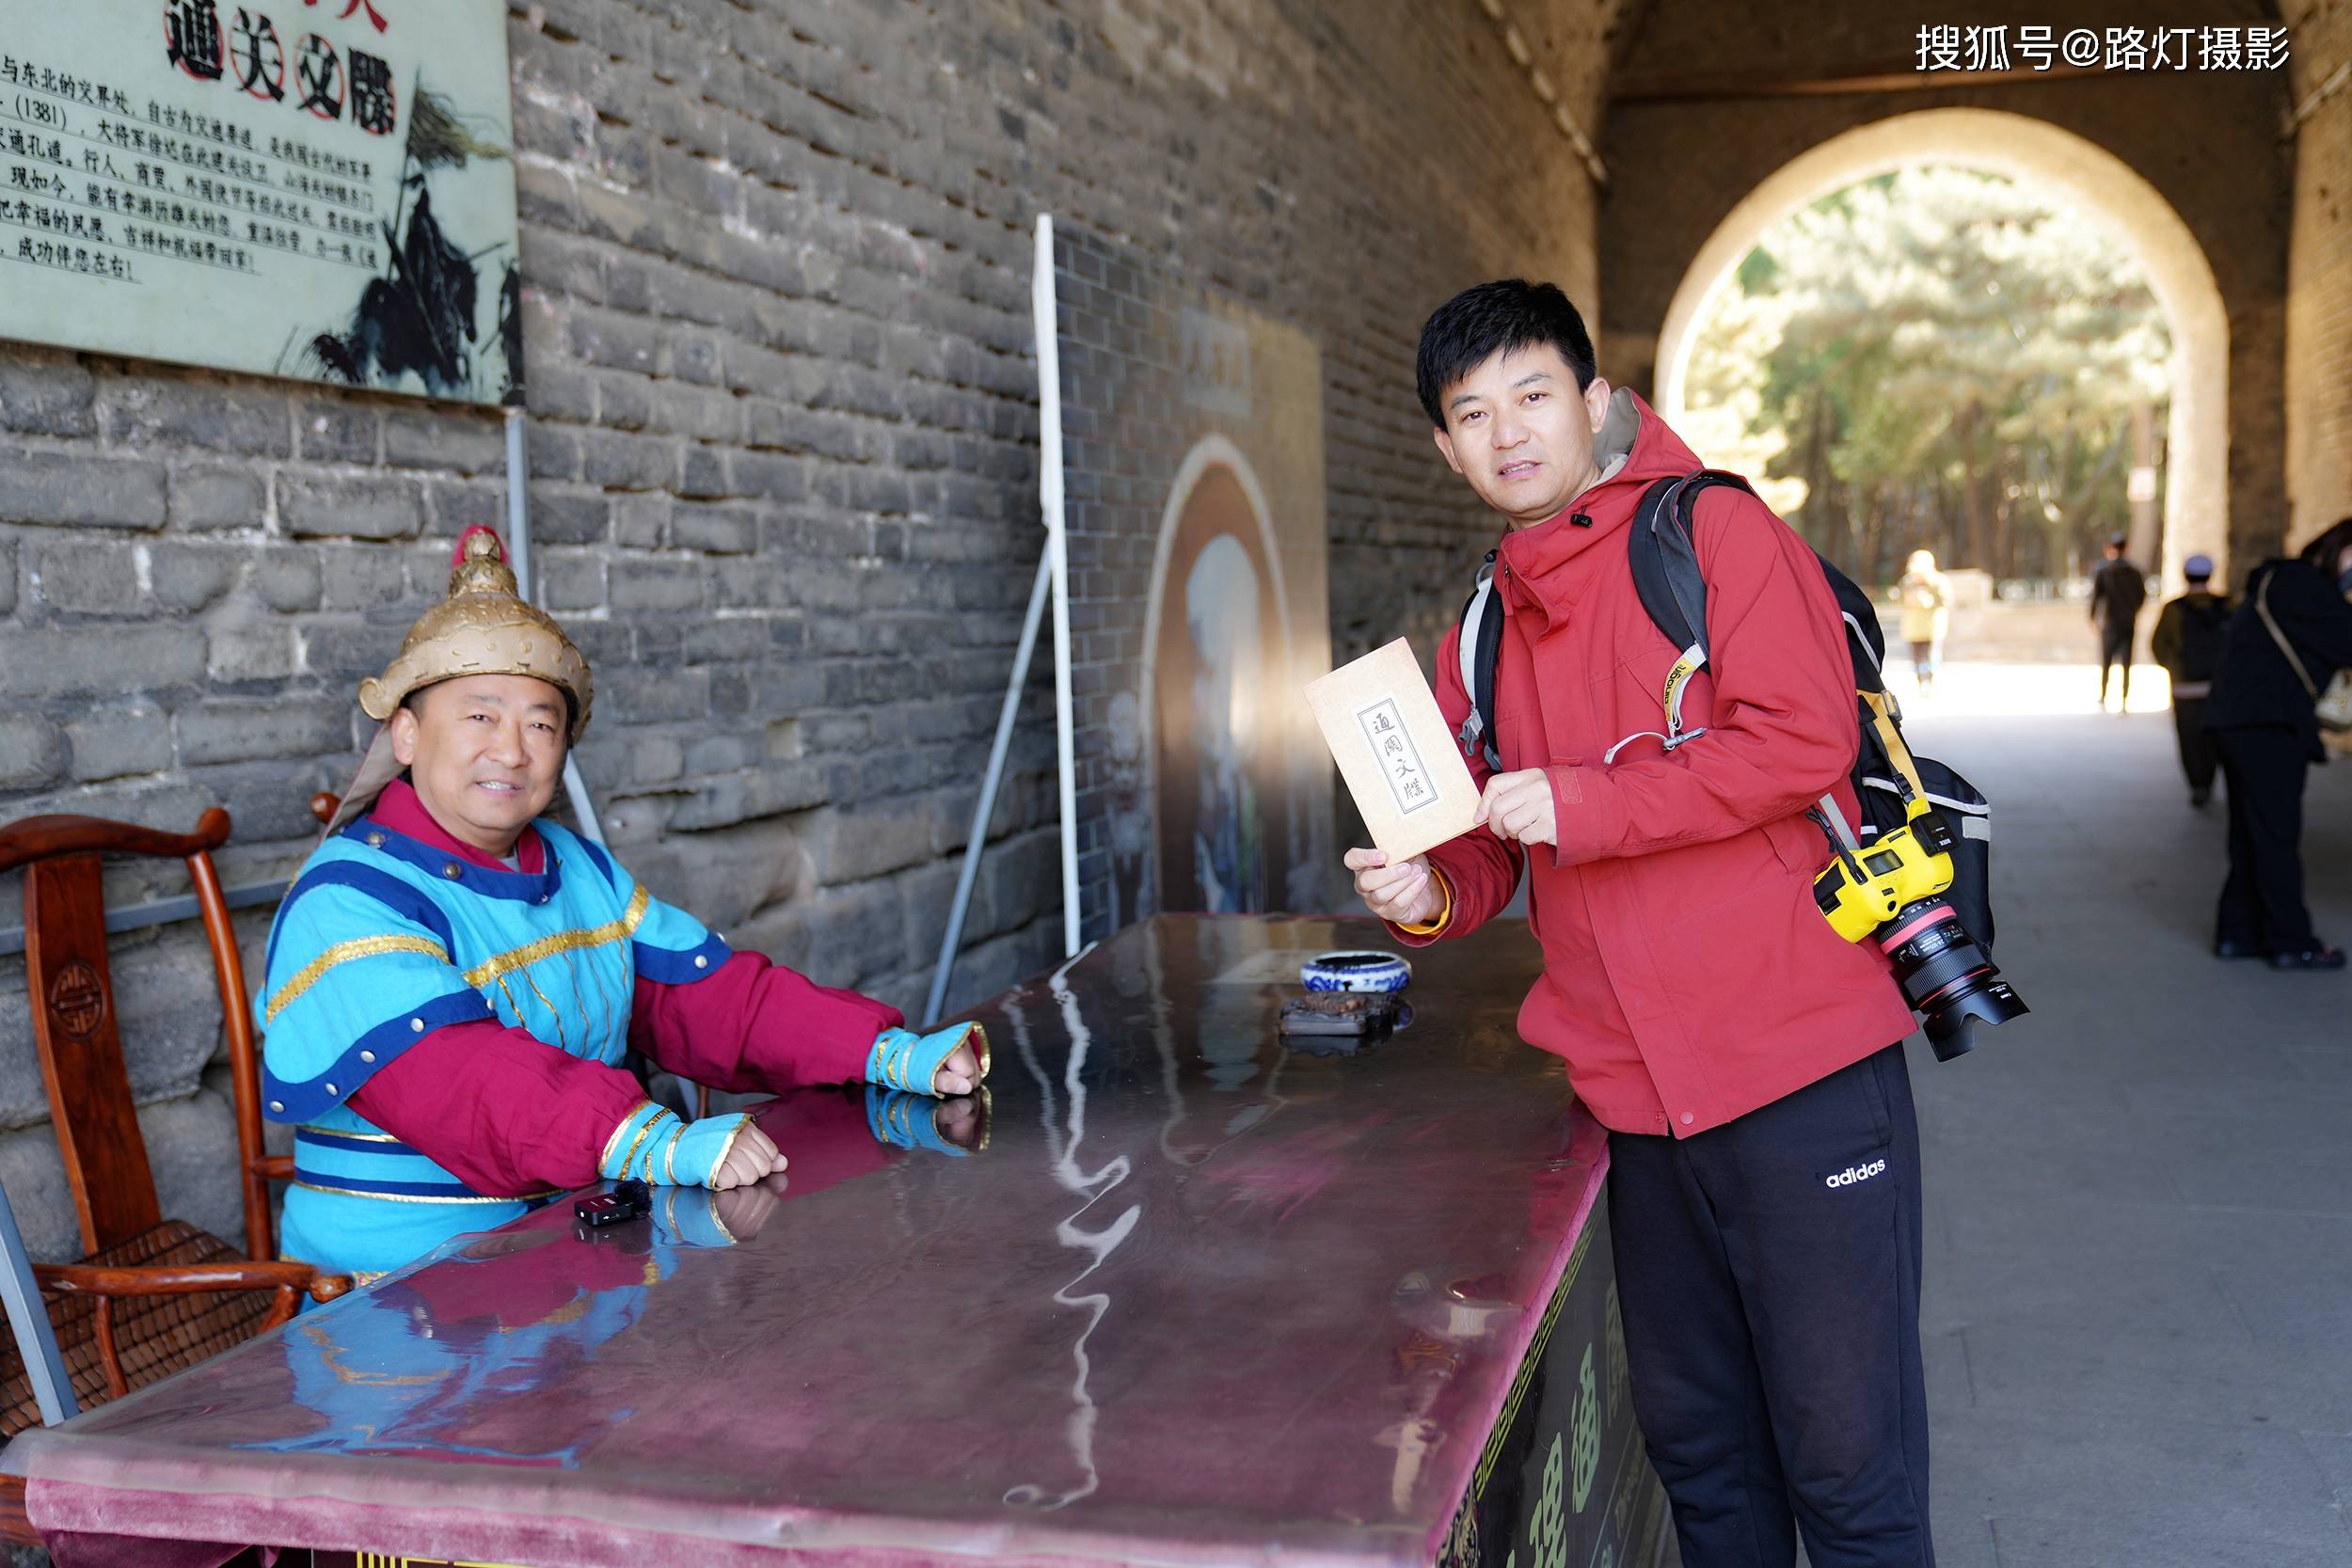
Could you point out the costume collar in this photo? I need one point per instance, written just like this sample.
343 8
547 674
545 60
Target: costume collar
399 825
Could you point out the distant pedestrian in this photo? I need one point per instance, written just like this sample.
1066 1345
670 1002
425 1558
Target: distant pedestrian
2117 591
1927 600
2285 644
2188 642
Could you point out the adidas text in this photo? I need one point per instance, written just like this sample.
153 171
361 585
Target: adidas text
1852 1173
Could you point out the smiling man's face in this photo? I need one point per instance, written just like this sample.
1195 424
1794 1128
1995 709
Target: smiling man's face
1520 431
483 752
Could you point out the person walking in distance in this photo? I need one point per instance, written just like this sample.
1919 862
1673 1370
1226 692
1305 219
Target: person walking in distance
2117 591
2188 642
1927 601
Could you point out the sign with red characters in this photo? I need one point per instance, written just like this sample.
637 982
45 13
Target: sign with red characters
321 189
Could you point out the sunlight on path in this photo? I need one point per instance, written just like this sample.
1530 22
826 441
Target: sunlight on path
2018 689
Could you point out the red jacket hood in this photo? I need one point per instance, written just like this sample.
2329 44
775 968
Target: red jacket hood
1635 448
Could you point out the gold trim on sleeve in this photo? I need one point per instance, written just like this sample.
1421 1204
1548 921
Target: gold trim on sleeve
711 1181
667 1115
899 1071
420 1197
355 1137
563 942
636 1143
618 1128
343 952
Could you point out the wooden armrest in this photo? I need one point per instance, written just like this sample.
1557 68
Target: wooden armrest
14 1528
177 1279
273 1168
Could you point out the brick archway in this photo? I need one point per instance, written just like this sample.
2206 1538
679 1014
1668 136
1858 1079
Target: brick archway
2035 153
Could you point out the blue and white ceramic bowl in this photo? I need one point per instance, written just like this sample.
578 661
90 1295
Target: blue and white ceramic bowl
1357 970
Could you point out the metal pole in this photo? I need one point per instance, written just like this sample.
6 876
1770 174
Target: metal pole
519 557
986 806
1049 482
518 504
36 1342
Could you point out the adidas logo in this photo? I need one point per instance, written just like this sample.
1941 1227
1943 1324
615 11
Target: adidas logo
1852 1173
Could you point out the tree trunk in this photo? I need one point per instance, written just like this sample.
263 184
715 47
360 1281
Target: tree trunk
1979 550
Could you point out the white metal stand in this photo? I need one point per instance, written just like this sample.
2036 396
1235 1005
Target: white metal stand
1052 580
1049 486
28 1315
519 557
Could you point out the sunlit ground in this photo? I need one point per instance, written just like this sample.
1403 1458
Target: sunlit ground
2018 689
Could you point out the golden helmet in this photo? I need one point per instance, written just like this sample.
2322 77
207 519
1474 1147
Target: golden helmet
485 627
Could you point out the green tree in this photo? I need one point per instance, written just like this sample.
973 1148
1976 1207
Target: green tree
1936 358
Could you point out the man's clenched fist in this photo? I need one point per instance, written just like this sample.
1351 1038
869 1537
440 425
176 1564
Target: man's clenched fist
1517 807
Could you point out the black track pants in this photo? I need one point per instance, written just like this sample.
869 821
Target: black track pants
1769 1273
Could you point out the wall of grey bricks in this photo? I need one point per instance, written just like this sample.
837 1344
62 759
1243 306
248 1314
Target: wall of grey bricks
2319 271
782 453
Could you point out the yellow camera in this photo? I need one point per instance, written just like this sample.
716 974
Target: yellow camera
1860 890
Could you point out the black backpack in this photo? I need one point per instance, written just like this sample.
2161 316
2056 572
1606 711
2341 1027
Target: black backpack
1663 555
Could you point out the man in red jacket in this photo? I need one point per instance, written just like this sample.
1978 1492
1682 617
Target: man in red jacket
1764 1188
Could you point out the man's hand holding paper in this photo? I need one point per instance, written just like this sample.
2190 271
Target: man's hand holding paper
1407 893
1396 754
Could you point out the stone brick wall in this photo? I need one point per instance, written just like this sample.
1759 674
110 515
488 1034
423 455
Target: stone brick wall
2319 271
783 458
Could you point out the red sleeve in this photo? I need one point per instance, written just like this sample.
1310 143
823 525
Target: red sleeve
752 1025
1483 870
498 1109
1781 729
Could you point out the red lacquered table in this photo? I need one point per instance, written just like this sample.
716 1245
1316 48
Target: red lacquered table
1200 1299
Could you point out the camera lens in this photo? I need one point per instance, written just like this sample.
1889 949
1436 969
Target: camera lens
1950 981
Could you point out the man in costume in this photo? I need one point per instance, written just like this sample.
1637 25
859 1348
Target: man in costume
452 981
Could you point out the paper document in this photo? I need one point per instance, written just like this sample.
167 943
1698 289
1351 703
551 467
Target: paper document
1394 750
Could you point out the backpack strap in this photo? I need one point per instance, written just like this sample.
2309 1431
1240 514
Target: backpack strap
1661 549
1478 645
1883 720
1663 554
2262 607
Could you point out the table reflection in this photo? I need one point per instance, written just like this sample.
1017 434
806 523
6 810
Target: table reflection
414 1367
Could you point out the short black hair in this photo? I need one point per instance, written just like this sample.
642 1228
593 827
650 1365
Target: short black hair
1497 318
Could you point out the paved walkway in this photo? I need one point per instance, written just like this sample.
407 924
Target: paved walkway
2138 1303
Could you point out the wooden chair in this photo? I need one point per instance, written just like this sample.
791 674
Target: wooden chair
152 1295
